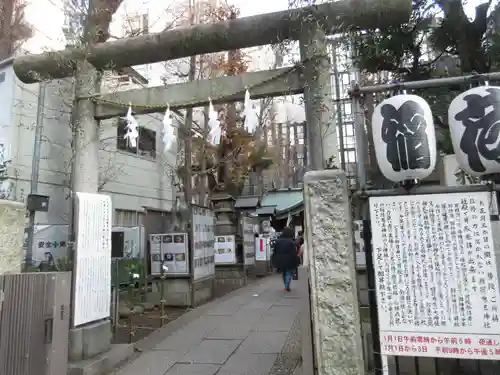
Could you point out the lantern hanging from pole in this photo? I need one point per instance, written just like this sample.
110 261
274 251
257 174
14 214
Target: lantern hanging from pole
404 138
474 121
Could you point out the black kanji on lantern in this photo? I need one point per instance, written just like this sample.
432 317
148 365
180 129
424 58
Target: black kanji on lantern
481 120
404 132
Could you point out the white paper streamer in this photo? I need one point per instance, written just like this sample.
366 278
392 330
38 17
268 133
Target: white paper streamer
213 124
168 131
132 128
251 118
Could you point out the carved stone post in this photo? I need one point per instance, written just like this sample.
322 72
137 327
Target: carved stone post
334 297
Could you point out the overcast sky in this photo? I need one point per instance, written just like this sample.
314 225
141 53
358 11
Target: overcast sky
47 16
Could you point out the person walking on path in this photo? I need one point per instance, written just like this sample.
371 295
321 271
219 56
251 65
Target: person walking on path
285 257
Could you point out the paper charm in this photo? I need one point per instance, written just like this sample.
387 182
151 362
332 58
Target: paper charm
132 128
168 130
213 124
251 118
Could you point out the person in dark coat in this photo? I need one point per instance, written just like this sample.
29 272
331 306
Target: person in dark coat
285 257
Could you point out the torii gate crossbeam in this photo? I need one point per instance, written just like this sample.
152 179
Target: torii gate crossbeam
270 28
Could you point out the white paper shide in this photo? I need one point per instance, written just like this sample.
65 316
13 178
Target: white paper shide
436 276
404 138
93 258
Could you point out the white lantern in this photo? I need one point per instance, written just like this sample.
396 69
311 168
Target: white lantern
474 120
404 138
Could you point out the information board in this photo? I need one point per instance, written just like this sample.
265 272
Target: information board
359 245
436 276
225 250
248 241
92 279
262 248
171 249
203 242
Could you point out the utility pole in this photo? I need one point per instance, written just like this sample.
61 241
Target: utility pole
35 169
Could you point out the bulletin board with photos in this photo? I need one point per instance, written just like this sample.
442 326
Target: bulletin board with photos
171 250
203 226
225 250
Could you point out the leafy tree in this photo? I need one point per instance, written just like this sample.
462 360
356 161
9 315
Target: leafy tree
439 40
228 163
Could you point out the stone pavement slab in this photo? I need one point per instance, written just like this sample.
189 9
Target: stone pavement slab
248 333
248 364
192 369
211 351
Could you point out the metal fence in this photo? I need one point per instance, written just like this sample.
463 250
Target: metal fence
401 365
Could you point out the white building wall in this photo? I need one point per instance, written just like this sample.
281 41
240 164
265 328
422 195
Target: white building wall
132 181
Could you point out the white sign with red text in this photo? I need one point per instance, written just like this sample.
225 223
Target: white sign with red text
261 248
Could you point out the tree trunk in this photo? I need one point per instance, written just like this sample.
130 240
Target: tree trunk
6 15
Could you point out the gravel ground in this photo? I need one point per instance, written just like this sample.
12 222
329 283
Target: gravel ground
288 360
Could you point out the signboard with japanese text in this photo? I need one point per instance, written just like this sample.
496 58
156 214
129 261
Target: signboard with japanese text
225 250
203 223
49 241
248 241
436 276
92 285
171 250
359 245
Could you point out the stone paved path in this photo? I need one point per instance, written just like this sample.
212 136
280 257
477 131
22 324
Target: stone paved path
254 332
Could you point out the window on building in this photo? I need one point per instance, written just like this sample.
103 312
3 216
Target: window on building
124 218
146 144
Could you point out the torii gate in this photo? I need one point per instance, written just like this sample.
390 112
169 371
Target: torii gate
309 25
